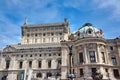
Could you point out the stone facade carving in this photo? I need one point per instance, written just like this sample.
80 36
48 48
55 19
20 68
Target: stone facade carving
44 53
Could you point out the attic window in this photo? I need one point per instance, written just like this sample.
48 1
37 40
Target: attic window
89 31
78 34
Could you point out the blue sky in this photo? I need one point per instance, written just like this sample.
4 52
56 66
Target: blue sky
104 14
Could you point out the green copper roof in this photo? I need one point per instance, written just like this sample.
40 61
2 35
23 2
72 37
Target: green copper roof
87 26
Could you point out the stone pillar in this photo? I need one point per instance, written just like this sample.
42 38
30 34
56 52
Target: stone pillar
25 64
11 63
102 71
86 72
44 64
44 75
107 59
15 64
64 65
3 63
34 64
99 54
54 64
110 72
85 55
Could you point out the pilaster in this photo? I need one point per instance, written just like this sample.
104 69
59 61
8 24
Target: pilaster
44 64
85 54
34 64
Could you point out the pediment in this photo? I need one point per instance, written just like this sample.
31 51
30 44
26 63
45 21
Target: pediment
9 49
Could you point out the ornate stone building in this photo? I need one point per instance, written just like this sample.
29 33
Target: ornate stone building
43 54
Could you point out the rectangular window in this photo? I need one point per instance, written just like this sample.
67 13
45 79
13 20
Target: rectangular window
93 70
111 48
39 64
52 40
30 64
92 56
59 61
20 65
116 73
103 57
59 64
81 57
49 64
114 61
7 64
81 72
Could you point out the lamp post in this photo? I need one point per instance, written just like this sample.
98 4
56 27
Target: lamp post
71 75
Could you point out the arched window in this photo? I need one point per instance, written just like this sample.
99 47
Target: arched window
49 63
7 64
4 77
20 64
30 64
89 31
39 75
49 74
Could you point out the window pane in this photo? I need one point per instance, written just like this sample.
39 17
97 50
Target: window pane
116 72
92 56
103 57
81 57
7 64
81 72
49 64
114 61
20 65
39 64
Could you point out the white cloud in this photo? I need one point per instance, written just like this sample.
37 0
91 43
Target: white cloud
9 32
113 5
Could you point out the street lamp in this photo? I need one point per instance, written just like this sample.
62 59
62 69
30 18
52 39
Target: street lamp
71 75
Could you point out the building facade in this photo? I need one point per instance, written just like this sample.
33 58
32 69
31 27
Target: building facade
43 54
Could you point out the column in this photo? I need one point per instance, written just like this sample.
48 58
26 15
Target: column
107 59
102 71
43 75
99 54
11 63
44 64
54 64
86 72
34 64
15 64
25 64
110 71
64 65
3 63
85 54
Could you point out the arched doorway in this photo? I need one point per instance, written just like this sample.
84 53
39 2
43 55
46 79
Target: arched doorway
39 75
49 74
4 78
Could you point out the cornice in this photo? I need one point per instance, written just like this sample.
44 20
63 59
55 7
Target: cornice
45 25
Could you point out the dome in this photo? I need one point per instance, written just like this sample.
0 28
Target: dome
86 27
88 31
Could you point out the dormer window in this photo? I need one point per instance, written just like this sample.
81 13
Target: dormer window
89 32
